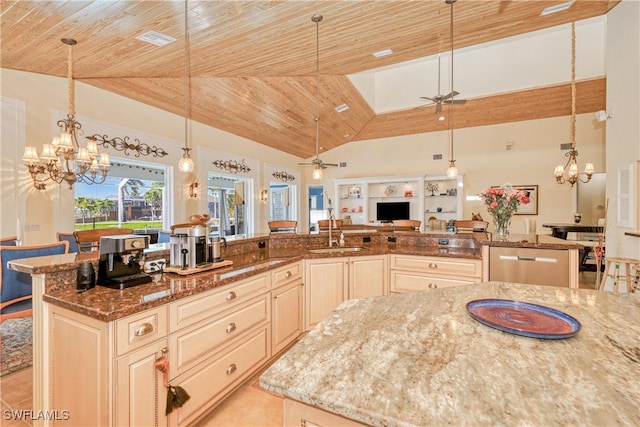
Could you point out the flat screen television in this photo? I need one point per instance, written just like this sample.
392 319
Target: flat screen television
390 211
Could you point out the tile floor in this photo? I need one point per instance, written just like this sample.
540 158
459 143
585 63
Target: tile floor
248 406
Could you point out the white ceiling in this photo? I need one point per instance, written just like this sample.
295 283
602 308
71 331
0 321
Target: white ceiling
535 59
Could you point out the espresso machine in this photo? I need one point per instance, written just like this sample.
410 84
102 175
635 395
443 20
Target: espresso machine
189 247
121 258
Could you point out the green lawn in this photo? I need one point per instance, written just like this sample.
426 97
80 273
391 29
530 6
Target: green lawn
137 225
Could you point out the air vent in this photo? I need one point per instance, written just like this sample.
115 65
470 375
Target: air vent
557 8
343 164
381 53
341 108
156 38
437 157
565 146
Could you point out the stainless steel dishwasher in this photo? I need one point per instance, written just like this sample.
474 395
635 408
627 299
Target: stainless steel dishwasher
529 265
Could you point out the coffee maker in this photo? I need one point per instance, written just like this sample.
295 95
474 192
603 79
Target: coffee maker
189 247
120 262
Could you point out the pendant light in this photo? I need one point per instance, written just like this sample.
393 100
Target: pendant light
186 162
452 170
317 169
571 167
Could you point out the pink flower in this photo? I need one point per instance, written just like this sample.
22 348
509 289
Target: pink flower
493 205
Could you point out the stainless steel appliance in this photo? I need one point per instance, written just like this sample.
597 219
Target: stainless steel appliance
189 247
120 261
529 265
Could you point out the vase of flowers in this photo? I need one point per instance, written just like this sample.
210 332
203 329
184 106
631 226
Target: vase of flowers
502 202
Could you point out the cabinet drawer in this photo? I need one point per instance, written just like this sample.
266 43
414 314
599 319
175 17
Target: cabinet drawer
212 380
403 281
189 346
187 311
438 265
139 329
286 274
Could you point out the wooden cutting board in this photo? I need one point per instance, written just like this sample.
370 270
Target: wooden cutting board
202 269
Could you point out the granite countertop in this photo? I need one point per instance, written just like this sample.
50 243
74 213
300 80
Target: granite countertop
420 359
109 304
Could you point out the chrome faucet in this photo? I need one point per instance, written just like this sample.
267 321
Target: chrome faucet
332 223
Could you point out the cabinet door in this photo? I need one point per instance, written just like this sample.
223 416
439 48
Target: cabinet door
326 288
286 315
368 276
140 395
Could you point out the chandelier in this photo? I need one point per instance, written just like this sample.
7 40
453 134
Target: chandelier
186 162
64 159
571 172
452 170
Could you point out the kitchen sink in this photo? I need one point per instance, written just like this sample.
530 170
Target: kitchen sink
338 249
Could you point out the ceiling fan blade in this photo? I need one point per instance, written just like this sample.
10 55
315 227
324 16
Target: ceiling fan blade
426 98
450 95
455 101
333 165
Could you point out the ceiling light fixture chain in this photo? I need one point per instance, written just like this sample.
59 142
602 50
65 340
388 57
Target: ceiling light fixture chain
569 173
186 162
317 171
64 159
452 170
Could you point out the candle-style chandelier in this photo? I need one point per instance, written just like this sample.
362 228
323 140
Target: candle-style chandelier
64 159
570 172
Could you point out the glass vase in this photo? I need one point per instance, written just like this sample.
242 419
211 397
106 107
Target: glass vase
501 225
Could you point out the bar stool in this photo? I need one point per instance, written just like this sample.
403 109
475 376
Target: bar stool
630 280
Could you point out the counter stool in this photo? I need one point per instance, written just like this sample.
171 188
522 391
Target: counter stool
631 280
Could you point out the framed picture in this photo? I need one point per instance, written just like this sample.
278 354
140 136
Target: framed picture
353 192
530 208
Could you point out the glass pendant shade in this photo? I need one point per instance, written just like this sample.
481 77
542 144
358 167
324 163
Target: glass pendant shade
317 173
452 171
186 163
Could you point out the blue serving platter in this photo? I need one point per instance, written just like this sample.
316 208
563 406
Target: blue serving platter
523 318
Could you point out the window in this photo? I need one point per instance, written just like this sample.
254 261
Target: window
134 195
228 204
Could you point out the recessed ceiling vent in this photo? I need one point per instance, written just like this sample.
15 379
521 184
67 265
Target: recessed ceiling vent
343 164
565 146
556 8
156 38
341 108
437 157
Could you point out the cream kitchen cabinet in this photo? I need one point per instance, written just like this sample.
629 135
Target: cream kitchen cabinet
368 276
214 340
329 282
416 273
287 319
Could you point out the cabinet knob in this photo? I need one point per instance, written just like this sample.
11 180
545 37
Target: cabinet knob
433 265
232 327
144 329
231 296
231 369
432 286
288 274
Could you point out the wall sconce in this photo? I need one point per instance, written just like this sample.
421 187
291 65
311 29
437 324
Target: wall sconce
194 190
264 196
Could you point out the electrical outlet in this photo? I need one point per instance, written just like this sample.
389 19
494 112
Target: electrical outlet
366 239
391 239
154 265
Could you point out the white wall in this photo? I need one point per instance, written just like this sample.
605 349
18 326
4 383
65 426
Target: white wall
623 129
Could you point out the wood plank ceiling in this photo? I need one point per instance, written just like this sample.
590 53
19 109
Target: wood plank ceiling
252 64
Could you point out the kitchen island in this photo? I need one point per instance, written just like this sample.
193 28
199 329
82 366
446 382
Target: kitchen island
420 359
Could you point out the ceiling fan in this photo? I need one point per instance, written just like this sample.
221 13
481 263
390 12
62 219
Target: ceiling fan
439 99
318 164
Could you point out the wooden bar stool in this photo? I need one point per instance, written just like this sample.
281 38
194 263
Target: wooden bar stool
631 280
